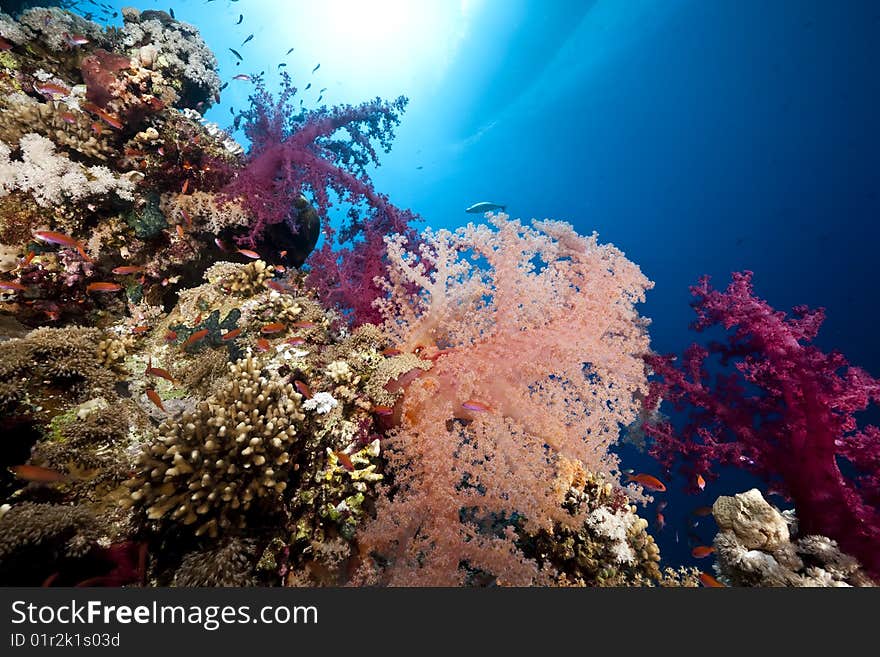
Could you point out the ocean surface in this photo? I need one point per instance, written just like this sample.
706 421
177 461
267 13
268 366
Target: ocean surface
699 137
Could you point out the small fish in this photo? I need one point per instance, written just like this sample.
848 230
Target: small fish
5 45
304 325
661 520
68 118
275 327
263 344
171 13
419 168
29 257
223 86
137 330
322 90
180 233
253 255
12 285
195 337
319 98
383 411
183 190
101 286
242 76
154 397
125 270
296 341
186 217
282 65
702 551
391 351
316 68
648 481
278 287
485 206
701 483
288 52
250 36
161 151
702 511
280 268
161 373
170 336
37 474
51 90
240 19
476 406
282 254
236 53
710 582
231 335
64 240
308 86
96 128
629 471
302 389
74 40
197 320
345 460
220 244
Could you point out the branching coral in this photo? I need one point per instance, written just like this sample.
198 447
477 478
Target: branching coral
782 409
233 453
536 352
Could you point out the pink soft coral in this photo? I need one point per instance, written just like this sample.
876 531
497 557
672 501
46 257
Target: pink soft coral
786 412
537 361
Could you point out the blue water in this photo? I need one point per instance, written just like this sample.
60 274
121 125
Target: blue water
699 137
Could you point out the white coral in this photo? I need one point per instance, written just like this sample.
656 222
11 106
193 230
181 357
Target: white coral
613 526
52 178
321 403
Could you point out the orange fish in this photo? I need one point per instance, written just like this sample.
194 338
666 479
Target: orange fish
96 128
263 344
179 231
276 327
170 336
710 582
297 341
186 217
649 482
278 287
282 254
68 117
702 551
54 237
701 483
36 474
391 351
154 397
106 117
12 285
231 335
345 460
140 329
302 389
124 270
29 257
195 337
279 268
184 188
383 411
103 287
51 89
4 44
476 406
161 373
304 325
661 520
198 320
253 255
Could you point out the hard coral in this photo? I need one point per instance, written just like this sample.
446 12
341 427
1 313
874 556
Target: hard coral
233 453
785 411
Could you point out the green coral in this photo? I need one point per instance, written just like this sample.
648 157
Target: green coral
147 221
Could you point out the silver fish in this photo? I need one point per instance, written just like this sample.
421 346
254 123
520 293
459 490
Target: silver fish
485 206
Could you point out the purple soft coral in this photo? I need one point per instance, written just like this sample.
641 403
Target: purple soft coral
298 153
785 413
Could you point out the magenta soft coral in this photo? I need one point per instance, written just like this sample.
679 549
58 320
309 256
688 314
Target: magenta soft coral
784 411
298 153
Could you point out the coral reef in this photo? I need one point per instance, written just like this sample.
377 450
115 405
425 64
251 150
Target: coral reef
754 547
782 409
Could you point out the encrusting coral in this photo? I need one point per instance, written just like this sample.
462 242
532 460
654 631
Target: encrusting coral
754 547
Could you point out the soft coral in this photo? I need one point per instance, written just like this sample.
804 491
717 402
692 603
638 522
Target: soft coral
785 412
